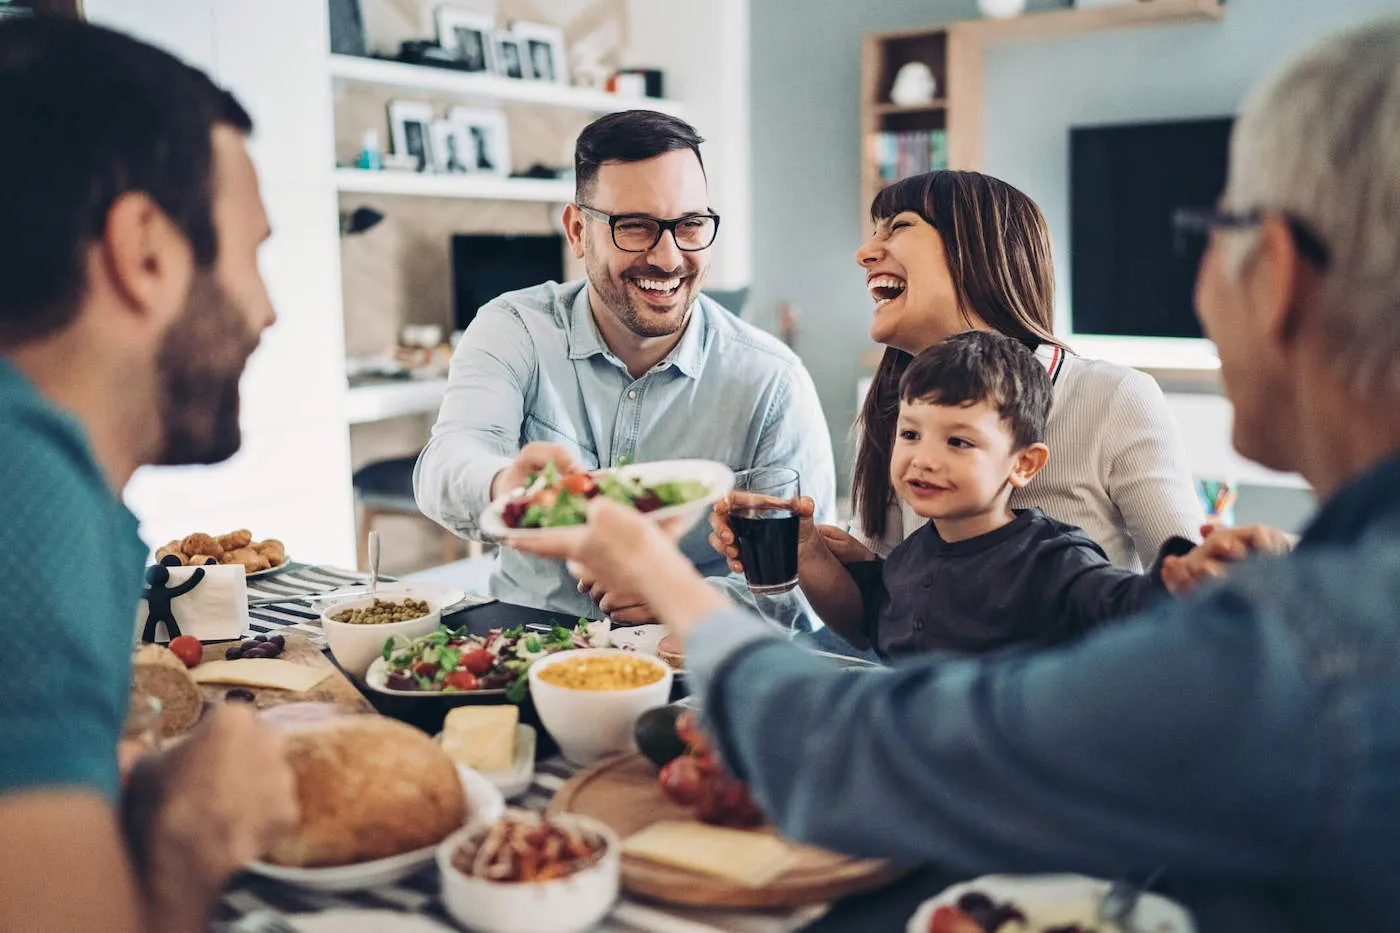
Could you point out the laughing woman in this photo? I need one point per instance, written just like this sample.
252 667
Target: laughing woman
954 251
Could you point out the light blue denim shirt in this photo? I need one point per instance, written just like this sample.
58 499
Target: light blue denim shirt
533 367
1246 739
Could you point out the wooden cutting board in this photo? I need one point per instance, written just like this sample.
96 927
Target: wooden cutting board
335 688
623 792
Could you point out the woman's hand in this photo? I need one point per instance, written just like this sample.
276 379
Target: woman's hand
1222 547
843 546
722 533
622 551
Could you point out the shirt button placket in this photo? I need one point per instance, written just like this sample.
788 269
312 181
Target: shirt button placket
628 424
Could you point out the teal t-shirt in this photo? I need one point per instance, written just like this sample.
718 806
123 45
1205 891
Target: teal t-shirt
70 578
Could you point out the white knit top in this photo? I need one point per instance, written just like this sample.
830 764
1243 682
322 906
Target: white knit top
1116 469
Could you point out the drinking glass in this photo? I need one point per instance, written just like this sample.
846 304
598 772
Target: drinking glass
763 517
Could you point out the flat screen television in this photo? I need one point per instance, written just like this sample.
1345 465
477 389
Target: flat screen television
1128 278
485 267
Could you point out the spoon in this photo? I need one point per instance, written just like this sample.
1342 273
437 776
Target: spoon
373 563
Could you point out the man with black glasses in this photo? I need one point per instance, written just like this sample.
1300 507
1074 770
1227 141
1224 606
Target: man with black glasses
631 365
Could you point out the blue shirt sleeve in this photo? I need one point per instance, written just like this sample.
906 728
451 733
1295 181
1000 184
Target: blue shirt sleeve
1169 740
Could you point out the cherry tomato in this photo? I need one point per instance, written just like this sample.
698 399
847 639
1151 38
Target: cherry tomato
461 680
423 668
580 484
479 662
681 781
952 920
188 649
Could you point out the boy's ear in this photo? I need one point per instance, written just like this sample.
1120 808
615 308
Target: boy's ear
1029 461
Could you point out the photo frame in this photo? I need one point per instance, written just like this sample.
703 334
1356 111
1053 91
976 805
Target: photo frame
410 129
510 55
453 148
487 138
469 36
544 55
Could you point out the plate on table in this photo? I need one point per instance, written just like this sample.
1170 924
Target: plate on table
1050 901
442 595
286 562
484 803
717 479
376 678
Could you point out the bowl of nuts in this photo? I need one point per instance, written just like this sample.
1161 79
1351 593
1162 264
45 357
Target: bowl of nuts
356 629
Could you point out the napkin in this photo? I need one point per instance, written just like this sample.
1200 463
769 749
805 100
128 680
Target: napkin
215 608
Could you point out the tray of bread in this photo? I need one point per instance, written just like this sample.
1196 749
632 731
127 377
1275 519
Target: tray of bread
236 547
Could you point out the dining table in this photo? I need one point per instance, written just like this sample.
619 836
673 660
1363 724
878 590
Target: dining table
254 904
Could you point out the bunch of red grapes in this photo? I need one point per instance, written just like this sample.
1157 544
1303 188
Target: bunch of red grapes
696 779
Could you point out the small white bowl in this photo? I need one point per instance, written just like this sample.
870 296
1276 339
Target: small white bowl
356 646
565 905
591 724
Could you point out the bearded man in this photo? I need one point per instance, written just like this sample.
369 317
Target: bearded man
130 300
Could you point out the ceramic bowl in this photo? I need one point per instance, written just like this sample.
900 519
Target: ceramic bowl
591 724
565 905
356 646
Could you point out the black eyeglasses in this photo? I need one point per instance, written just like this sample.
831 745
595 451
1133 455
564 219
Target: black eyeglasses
1201 221
638 233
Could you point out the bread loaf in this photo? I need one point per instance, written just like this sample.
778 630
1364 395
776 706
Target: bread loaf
369 788
157 673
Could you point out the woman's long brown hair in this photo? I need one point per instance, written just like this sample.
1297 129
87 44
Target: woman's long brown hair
998 252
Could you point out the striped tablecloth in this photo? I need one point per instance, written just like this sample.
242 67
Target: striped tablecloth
257 905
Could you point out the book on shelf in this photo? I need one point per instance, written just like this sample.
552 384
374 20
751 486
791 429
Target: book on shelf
899 155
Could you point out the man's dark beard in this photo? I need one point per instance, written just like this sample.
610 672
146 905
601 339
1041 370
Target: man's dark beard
198 368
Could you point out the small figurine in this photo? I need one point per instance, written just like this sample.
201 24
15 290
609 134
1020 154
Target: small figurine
159 597
914 85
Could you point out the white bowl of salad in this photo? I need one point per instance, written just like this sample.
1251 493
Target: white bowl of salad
454 662
663 489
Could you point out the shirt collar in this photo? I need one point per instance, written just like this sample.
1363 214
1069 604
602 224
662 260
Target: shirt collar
688 356
1366 499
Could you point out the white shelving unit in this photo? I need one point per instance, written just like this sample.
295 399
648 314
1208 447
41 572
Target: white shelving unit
491 187
489 87
380 400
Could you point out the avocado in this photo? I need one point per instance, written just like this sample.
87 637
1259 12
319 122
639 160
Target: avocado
656 734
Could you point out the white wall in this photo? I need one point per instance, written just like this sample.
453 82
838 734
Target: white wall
703 48
292 478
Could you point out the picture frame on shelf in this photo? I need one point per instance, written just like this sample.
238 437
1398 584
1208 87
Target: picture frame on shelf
510 55
469 36
486 135
452 147
544 55
410 129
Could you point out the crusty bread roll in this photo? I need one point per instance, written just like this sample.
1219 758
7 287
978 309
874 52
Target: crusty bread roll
369 787
671 651
158 673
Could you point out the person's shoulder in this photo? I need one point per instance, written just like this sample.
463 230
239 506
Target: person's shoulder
1054 537
732 336
1093 379
44 450
546 302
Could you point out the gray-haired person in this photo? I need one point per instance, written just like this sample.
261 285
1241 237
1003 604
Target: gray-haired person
1245 739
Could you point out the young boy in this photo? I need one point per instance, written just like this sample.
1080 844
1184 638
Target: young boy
979 576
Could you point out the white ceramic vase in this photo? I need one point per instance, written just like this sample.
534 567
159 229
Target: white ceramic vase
1001 9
